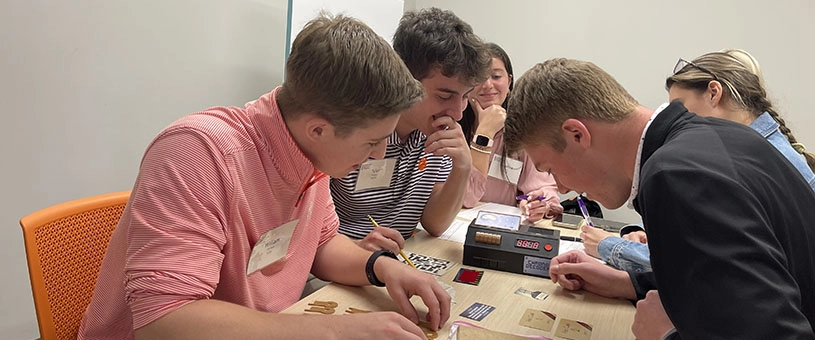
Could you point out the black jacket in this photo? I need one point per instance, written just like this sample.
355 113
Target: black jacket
731 230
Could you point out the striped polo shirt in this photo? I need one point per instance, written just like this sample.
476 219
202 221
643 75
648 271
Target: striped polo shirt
210 185
399 206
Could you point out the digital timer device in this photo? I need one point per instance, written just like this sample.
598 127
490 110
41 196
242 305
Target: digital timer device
499 241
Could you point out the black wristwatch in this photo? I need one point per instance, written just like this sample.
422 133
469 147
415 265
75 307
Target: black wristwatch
369 266
482 140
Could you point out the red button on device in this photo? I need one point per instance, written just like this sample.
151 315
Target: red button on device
547 247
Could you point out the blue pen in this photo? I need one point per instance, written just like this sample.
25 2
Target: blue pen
584 211
527 197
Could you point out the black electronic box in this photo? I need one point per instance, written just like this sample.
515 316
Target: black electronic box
499 241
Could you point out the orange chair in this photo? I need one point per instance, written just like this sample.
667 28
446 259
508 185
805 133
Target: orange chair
64 246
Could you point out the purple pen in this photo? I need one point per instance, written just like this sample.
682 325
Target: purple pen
527 197
584 211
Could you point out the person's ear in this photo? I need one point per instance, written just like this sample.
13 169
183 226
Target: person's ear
318 129
714 93
576 133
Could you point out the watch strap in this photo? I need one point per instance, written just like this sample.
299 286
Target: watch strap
369 266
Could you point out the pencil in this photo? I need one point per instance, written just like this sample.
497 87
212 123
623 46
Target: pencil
400 250
407 259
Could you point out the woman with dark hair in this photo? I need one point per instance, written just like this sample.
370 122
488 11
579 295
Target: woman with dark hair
493 178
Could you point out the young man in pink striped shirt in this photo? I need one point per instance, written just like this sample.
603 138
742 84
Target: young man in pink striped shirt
231 209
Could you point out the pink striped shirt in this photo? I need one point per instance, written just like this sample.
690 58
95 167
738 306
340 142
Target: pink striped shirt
210 185
483 188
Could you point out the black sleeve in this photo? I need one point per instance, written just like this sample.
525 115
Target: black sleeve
643 282
630 228
720 271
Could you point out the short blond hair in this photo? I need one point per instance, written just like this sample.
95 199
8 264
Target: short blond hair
556 90
340 69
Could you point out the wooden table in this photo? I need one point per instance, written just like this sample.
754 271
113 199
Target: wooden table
610 318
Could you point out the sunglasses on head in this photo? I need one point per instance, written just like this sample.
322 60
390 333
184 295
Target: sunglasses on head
682 63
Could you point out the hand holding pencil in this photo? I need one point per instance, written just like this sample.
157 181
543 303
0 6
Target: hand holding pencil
385 238
382 238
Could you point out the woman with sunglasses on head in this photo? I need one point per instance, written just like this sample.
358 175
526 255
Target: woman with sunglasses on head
495 177
727 85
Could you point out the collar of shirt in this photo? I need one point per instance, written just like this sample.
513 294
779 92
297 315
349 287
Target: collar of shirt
415 138
764 124
635 179
293 166
316 176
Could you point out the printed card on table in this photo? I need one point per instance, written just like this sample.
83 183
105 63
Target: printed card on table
575 330
429 264
477 311
538 319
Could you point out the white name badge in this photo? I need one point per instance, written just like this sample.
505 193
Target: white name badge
375 174
513 166
271 247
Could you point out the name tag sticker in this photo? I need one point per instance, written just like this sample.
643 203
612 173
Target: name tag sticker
513 167
375 174
271 247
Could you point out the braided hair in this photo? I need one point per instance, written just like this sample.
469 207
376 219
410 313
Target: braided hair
741 78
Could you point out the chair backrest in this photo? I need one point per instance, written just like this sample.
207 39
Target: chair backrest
64 246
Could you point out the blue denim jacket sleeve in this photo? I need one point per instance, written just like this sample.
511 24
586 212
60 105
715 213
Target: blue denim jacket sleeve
630 256
770 129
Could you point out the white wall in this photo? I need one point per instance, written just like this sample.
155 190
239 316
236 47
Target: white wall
86 84
381 15
639 41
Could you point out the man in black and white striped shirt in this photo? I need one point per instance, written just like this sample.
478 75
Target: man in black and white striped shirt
427 163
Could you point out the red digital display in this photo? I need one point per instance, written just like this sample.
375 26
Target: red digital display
527 244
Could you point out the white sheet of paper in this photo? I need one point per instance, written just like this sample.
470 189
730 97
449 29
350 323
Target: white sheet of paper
457 231
271 247
513 167
375 173
566 246
471 214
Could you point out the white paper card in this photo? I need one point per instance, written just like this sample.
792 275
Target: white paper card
513 167
457 232
471 214
271 247
375 174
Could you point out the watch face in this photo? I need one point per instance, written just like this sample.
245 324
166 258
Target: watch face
482 140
